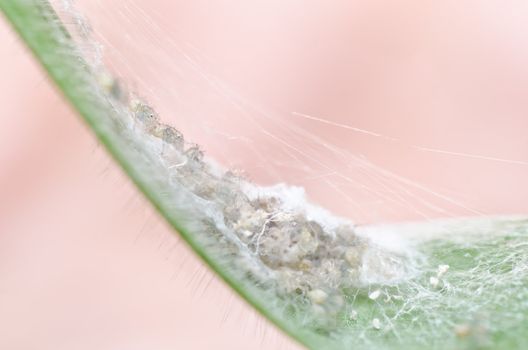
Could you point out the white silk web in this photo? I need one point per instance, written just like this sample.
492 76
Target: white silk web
351 279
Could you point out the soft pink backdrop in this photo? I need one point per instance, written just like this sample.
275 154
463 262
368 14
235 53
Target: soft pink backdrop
86 264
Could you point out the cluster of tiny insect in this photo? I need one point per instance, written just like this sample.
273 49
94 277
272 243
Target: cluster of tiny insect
309 260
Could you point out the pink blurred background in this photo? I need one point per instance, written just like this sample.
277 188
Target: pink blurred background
85 263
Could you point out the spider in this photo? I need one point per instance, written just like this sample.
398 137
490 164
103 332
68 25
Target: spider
145 115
